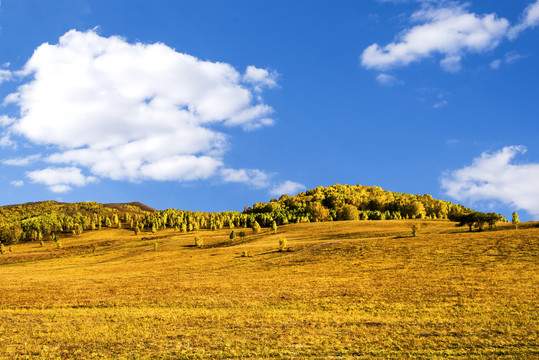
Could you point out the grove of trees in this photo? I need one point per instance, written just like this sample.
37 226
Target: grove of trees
46 220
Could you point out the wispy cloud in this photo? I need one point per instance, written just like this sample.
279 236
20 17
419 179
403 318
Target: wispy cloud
388 80
529 19
24 161
287 187
60 180
17 183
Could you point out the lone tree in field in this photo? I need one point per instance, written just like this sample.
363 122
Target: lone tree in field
232 235
515 220
256 227
415 229
199 242
274 227
283 243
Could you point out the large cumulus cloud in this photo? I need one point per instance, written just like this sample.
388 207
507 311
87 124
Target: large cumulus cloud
132 111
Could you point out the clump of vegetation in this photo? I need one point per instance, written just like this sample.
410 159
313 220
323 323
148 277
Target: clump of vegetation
34 221
348 202
515 220
232 235
30 222
347 212
283 244
245 253
415 229
2 249
155 245
41 243
256 227
476 219
242 234
199 242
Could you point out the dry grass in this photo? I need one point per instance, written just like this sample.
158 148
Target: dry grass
344 290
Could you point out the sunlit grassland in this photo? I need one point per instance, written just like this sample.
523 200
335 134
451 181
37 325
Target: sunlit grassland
354 289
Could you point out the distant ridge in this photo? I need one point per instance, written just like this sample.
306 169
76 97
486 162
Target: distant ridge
118 206
121 206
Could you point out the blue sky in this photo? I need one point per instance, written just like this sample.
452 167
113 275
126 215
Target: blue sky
214 105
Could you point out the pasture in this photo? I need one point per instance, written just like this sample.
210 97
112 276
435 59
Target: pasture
342 290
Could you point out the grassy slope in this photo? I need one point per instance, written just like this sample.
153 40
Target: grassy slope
347 290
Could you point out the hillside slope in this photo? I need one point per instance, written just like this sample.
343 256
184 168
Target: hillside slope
349 289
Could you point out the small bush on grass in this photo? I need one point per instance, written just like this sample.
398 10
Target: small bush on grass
283 244
415 229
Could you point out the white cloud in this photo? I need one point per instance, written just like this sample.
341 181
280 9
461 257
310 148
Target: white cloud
493 176
17 183
25 161
387 80
433 97
6 120
5 75
252 177
288 187
5 141
133 111
184 167
440 104
509 58
260 78
495 64
451 63
60 179
450 30
512 56
529 19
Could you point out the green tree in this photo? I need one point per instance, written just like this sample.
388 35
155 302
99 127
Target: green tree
274 227
347 212
515 220
318 212
256 227
283 243
415 229
232 235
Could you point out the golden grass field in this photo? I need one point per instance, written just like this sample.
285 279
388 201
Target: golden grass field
345 290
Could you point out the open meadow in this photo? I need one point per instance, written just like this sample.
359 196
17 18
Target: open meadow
341 290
